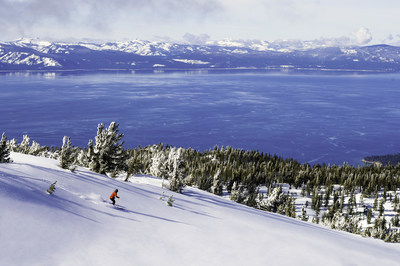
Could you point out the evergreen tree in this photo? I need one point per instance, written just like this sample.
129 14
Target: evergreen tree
13 145
350 206
342 202
381 207
315 220
52 188
280 209
396 199
4 150
380 228
82 158
290 207
303 190
369 216
236 193
65 156
345 223
250 195
361 200
36 149
304 216
158 164
375 206
395 220
170 201
24 147
107 155
217 183
276 201
174 163
327 196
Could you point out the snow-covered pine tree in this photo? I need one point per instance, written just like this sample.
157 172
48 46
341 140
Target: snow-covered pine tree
343 222
65 156
107 155
158 164
217 183
375 206
170 201
250 195
304 216
369 215
24 147
82 159
4 150
92 158
174 163
395 221
303 190
290 207
276 199
236 192
381 208
52 188
379 229
12 145
36 149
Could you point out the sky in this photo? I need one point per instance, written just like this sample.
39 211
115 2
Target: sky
357 21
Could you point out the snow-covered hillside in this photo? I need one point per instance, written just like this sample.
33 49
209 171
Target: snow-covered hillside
76 225
35 54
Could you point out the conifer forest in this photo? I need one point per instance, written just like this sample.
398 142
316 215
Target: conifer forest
363 200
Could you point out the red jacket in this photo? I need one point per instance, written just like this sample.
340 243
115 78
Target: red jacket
113 195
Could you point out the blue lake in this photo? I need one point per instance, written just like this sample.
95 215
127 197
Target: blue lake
312 118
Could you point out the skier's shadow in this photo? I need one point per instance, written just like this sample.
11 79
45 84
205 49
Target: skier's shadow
148 215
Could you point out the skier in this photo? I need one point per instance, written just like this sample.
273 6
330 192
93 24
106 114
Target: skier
113 196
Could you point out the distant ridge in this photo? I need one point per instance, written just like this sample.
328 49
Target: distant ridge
392 159
35 54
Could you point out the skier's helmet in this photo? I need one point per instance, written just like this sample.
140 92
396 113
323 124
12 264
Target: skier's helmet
116 190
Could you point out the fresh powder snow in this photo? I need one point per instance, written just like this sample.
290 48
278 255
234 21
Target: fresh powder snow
77 225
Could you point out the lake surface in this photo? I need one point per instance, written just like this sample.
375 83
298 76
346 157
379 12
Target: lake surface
312 118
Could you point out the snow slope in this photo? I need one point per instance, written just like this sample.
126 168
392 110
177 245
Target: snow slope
75 226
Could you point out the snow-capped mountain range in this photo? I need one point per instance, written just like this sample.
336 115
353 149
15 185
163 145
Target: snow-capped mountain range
34 54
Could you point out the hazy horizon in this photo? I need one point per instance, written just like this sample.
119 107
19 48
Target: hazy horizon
356 22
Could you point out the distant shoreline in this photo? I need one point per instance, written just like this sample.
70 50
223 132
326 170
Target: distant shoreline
383 160
271 69
376 163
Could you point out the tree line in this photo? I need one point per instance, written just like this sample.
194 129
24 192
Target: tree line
240 174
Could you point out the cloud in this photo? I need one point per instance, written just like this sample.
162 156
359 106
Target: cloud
196 39
164 39
361 36
392 40
169 19
96 16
